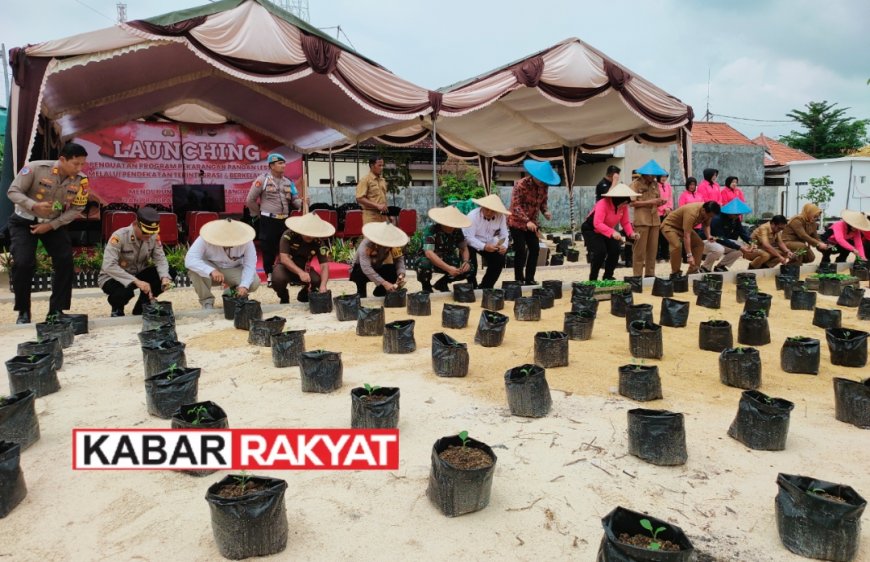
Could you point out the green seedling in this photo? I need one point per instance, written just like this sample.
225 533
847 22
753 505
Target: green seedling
637 364
57 206
816 491
370 389
797 338
200 412
655 544
53 318
463 436
32 358
242 480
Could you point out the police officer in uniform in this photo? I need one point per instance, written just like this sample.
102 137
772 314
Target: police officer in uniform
271 199
302 242
444 249
126 259
379 258
48 195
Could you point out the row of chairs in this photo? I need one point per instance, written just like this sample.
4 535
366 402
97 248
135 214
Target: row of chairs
353 221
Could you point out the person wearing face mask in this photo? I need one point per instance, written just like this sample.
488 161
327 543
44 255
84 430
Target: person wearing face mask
708 189
801 234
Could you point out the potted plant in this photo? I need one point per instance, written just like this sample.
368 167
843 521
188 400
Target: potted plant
740 367
454 316
346 307
629 535
13 489
170 388
449 357
852 401
640 382
199 415
493 299
319 302
261 331
792 286
645 340
715 335
528 393
370 321
758 301
54 327
286 347
160 356
800 354
419 304
374 407
18 421
657 436
399 337
753 329
248 515
32 372
761 422
551 349
156 315
848 347
460 480
491 329
578 325
321 370
50 346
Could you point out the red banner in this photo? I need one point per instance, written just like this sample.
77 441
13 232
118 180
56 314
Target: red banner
137 163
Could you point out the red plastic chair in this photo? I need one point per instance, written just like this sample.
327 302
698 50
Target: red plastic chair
408 221
114 220
196 220
353 222
329 216
168 229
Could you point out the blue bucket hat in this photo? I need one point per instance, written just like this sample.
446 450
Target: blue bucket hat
542 171
651 168
275 157
736 207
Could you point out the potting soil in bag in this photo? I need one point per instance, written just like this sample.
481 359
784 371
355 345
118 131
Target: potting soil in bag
61 331
645 340
803 300
449 357
635 282
286 348
674 313
791 287
157 315
158 308
681 283
12 487
753 329
512 290
818 519
491 329
199 415
740 367
50 346
454 316
554 287
246 310
761 422
527 309
18 421
848 347
582 289
346 307
378 409
800 355
715 335
457 490
578 325
545 297
230 302
463 292
827 317
864 309
744 291
153 338
640 382
551 349
621 525
79 323
585 303
638 312
419 304
34 372
321 371
169 389
709 298
162 356
399 337
657 436
782 280
320 303
528 393
493 299
619 303
758 301
396 299
852 402
791 269
261 331
370 321
252 524
850 296
746 278
662 287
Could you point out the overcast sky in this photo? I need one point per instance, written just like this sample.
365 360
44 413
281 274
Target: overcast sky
764 57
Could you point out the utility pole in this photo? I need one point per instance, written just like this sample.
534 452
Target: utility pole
122 12
708 115
5 72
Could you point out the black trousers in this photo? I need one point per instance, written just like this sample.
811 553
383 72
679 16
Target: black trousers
526 252
282 277
387 271
604 251
23 248
833 248
494 263
270 238
120 294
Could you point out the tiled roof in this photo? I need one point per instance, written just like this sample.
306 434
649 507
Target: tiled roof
779 154
710 132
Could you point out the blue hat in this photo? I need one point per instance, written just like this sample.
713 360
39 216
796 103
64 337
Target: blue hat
542 171
736 207
651 168
275 157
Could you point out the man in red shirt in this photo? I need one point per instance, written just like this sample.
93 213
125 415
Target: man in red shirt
528 200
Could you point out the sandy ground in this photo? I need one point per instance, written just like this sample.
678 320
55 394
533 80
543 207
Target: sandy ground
555 477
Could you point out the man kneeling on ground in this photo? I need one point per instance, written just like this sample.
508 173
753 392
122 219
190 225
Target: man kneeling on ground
224 255
445 249
302 241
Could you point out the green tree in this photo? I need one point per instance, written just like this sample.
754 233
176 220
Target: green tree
396 172
828 132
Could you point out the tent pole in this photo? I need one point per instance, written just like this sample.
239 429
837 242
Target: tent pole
357 163
331 178
304 178
434 167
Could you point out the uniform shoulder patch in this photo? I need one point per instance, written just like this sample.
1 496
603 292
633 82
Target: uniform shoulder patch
24 171
258 183
114 240
396 252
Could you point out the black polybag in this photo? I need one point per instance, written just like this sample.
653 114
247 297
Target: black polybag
376 410
551 349
512 290
261 331
740 367
246 310
827 317
160 357
781 281
640 382
166 391
715 335
61 331
622 520
286 348
864 309
166 334
370 321
635 282
663 287
641 312
37 375
619 303
157 314
321 371
18 421
645 340
579 303
254 524
527 309
545 296
803 300
79 323
753 329
800 355
493 299
199 415
455 491
850 296
674 313
709 298
320 302
681 283
399 337
848 347
396 299
449 356
346 307
761 422
491 329
554 287
657 436
528 393
12 487
852 402
463 292
50 346
454 316
790 269
419 304
791 286
230 305
578 325
758 301
582 289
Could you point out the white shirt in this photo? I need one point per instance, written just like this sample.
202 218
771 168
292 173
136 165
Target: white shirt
203 258
483 232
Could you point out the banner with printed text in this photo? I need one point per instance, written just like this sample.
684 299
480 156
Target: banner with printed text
137 163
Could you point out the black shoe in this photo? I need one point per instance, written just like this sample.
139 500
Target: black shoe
441 285
703 269
23 318
380 291
54 315
117 312
427 288
720 268
529 282
303 295
137 309
284 297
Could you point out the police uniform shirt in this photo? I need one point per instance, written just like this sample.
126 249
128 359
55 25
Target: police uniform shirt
277 196
40 182
125 256
301 251
371 257
373 188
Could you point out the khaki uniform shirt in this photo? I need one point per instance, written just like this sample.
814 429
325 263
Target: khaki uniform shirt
277 197
646 216
799 230
125 256
764 235
38 182
683 219
300 251
373 188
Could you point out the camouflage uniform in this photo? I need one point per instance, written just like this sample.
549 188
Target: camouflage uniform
448 247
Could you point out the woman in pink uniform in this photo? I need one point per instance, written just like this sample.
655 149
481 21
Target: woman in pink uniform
846 236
